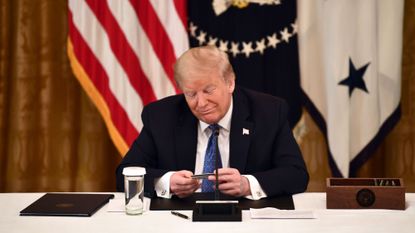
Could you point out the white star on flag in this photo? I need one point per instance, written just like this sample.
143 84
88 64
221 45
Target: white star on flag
260 46
234 48
273 40
247 48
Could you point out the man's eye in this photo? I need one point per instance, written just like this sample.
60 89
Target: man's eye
190 95
209 91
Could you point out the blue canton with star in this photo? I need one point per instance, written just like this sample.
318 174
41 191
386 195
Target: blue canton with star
355 78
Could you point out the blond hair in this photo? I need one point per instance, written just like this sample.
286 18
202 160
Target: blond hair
203 59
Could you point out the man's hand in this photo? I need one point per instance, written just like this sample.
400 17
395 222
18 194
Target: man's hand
231 182
182 184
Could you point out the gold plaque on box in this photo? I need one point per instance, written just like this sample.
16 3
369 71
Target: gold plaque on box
365 193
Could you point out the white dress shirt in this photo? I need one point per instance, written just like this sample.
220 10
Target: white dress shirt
162 185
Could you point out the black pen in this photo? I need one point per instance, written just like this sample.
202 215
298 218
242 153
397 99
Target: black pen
179 214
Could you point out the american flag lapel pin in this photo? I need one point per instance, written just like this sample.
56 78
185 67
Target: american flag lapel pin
245 131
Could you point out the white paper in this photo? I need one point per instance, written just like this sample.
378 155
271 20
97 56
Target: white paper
270 212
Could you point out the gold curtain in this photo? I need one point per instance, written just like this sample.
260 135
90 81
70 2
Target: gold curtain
51 136
53 139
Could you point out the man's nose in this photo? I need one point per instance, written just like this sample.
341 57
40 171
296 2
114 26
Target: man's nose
201 101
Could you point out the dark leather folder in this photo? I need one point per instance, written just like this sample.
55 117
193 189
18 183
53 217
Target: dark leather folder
67 204
175 203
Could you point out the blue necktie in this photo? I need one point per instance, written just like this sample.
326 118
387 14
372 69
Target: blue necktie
209 164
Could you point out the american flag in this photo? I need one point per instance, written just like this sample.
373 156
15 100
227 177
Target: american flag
122 53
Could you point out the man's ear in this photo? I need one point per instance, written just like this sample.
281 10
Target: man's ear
231 85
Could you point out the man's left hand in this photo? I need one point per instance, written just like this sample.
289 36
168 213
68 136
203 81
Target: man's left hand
231 182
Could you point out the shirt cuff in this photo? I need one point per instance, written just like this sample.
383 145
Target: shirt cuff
256 190
162 186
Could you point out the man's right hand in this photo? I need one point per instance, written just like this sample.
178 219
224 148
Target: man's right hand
182 184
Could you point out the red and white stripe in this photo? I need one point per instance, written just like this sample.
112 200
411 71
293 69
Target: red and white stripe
126 51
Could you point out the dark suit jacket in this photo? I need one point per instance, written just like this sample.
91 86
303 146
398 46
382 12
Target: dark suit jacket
168 142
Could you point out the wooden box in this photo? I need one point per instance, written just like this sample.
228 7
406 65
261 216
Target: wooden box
365 193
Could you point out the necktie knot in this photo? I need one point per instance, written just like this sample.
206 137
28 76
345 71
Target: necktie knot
215 129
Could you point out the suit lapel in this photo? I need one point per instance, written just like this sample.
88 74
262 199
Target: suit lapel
241 131
186 140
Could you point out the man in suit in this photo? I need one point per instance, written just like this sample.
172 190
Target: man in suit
258 153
